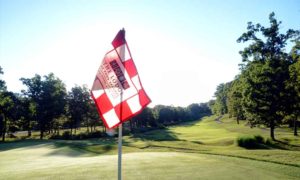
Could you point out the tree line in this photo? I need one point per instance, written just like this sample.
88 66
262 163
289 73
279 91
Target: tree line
267 89
47 107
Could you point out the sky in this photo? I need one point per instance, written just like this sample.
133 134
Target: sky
182 49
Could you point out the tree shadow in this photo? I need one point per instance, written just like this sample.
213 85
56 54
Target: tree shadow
280 144
71 148
157 135
30 143
276 144
90 147
191 123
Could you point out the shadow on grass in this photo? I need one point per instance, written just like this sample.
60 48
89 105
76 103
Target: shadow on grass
285 145
71 148
30 143
157 135
91 147
277 144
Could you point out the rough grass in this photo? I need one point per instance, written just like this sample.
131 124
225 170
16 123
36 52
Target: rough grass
195 150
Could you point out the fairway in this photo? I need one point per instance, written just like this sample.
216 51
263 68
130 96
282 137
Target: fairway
196 150
40 161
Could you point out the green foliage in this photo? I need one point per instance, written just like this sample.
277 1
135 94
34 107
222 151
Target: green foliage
251 142
265 71
293 87
266 90
161 116
83 135
220 105
78 105
49 98
234 99
9 106
197 111
2 82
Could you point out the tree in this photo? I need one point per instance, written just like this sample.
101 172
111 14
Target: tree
7 110
143 120
220 105
78 106
26 113
2 82
49 98
212 107
266 70
234 99
92 117
293 86
7 102
197 111
165 114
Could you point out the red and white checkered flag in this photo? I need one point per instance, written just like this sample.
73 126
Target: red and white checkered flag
117 89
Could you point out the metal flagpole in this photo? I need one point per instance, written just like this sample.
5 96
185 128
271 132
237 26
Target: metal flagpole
120 153
120 126
120 140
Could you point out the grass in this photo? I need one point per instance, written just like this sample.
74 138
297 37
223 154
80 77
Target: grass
201 149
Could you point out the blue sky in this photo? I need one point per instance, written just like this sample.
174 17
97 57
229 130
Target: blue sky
182 49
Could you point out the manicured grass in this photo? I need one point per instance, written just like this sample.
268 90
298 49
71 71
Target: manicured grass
196 150
44 161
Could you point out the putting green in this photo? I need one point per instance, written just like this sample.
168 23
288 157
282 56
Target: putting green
46 161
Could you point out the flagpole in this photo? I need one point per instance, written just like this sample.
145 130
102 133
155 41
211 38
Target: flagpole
120 153
120 127
120 141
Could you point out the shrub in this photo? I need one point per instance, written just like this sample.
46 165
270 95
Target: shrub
84 135
259 139
251 142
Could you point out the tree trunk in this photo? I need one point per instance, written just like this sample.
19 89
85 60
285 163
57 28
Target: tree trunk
41 133
295 126
272 128
237 120
29 133
29 129
4 128
42 128
131 126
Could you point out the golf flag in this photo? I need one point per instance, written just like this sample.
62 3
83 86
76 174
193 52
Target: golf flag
117 89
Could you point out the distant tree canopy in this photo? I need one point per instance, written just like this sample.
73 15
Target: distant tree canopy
49 98
266 91
220 105
46 106
2 82
162 115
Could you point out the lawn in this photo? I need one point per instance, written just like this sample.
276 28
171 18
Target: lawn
196 150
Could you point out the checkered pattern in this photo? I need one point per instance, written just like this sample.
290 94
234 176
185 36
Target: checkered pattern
115 102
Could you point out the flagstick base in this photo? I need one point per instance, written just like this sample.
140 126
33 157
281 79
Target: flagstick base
120 153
